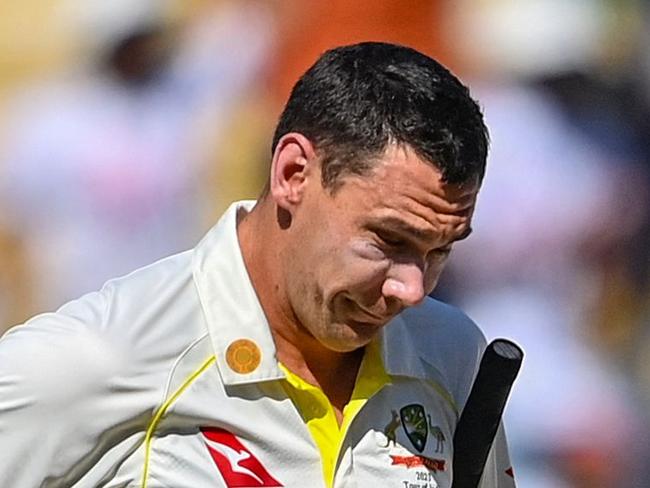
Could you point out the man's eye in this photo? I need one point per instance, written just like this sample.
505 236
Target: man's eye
391 240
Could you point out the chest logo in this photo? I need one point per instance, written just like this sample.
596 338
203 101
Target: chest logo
416 425
237 465
390 431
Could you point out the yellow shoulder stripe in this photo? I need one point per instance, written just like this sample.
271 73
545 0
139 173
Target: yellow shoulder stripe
161 412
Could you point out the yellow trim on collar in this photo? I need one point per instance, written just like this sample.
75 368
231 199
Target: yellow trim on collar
318 413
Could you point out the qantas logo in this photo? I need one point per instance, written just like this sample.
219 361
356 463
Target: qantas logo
238 466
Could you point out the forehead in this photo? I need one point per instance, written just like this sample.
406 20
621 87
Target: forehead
403 188
401 174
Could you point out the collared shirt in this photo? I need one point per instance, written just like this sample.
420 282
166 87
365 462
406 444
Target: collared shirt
318 413
168 377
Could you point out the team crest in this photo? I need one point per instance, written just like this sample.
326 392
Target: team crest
415 425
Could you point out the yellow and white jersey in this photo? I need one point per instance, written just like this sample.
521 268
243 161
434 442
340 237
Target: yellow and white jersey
168 378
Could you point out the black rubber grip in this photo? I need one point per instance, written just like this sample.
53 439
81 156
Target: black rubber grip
480 418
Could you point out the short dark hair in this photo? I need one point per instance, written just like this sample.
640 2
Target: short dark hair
356 100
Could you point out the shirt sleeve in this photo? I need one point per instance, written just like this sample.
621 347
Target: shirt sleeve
65 392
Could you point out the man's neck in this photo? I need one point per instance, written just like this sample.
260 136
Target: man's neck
333 372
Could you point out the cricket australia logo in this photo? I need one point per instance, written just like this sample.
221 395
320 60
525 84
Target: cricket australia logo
416 425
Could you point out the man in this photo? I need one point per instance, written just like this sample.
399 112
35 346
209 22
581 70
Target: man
295 345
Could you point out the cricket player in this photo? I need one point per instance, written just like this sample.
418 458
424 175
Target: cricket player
295 345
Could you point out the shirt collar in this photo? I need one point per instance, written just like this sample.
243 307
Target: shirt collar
401 348
229 302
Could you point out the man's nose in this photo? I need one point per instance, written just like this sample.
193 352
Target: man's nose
405 282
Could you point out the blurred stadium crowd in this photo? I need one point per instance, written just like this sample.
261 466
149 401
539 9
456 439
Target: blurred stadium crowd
126 127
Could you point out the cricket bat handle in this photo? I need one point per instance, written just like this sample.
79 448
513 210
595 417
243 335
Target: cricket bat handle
481 416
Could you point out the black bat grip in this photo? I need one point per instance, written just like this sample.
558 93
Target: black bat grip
480 418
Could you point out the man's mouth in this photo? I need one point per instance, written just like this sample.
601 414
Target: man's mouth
361 315
367 317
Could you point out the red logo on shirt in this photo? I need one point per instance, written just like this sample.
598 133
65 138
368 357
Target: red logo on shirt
434 465
237 464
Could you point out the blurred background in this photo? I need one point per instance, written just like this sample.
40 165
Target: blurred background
127 127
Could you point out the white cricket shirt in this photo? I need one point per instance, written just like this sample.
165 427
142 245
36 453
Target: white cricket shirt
167 377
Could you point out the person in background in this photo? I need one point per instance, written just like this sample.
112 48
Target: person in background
102 167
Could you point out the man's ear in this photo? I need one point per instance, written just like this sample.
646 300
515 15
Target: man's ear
292 164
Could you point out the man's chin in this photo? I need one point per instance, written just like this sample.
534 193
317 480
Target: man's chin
357 335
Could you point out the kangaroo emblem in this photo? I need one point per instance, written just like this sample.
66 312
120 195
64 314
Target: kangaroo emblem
391 428
438 436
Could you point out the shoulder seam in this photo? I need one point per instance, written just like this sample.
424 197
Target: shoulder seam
163 409
180 357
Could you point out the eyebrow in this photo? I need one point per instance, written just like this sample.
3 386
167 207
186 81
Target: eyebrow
390 224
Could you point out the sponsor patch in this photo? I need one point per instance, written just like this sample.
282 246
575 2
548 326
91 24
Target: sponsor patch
434 465
237 465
